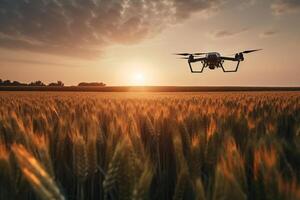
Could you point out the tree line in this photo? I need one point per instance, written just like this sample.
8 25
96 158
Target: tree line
40 83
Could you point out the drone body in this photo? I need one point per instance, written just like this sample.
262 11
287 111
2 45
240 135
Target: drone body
213 60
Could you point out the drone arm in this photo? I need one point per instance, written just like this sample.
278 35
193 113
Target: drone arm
229 58
197 59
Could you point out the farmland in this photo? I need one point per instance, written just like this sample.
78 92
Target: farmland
242 145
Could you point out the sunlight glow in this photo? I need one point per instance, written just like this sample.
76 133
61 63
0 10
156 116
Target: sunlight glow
138 79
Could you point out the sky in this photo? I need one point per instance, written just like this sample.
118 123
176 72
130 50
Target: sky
131 42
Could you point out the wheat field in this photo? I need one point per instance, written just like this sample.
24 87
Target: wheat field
149 146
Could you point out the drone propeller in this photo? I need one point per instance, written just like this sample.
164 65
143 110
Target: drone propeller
182 54
250 51
184 58
188 54
247 51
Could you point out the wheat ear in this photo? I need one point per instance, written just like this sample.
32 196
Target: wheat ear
43 185
80 158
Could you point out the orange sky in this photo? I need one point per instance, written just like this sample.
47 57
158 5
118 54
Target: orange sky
131 42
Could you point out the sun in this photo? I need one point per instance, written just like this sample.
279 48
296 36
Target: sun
138 78
136 73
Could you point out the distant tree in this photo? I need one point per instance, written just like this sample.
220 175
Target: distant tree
16 83
37 83
6 83
92 84
58 84
9 83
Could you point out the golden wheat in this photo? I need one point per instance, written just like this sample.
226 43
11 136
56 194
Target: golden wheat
150 146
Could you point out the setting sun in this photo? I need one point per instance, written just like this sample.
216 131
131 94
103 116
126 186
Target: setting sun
138 79
138 72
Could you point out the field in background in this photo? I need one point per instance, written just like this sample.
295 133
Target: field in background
149 145
146 88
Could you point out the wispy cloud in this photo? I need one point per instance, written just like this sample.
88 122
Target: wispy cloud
220 34
268 33
280 7
36 62
84 28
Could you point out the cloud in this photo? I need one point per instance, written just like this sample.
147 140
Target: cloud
268 33
36 62
226 33
280 7
84 28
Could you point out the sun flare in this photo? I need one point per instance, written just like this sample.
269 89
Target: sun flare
138 79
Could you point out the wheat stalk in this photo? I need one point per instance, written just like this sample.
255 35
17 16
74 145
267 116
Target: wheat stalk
80 157
43 185
141 188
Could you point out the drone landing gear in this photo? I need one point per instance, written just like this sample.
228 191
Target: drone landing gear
203 66
235 70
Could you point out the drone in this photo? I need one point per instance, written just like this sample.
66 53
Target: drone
213 60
